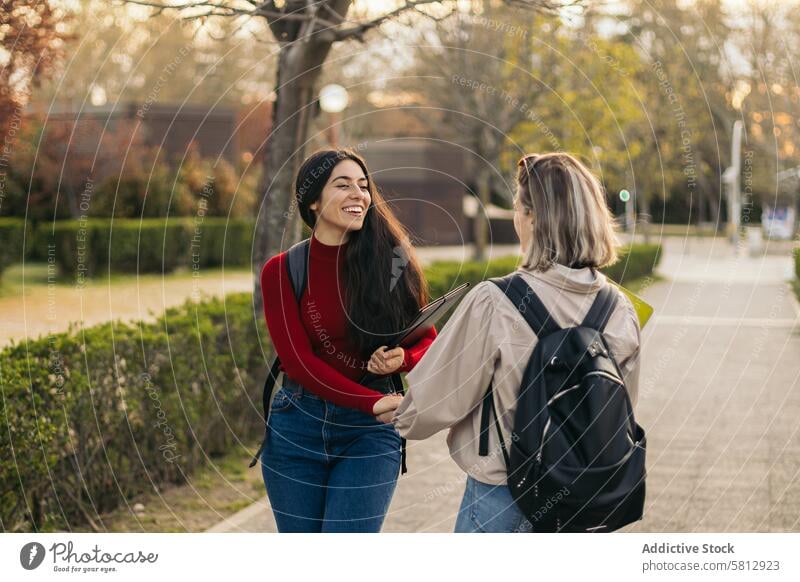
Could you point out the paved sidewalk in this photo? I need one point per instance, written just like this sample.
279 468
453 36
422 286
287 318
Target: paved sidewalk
720 401
720 393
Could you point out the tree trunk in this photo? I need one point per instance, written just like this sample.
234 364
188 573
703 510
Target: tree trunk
72 201
299 65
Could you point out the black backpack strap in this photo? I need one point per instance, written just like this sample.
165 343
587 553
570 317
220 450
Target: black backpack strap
297 265
397 384
528 304
488 408
269 384
602 308
540 321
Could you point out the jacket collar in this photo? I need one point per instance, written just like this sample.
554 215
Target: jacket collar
586 280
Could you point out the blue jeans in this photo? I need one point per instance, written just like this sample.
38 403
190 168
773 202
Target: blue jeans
327 468
489 509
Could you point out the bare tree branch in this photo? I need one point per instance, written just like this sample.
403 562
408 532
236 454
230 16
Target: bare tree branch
357 31
544 5
303 19
264 9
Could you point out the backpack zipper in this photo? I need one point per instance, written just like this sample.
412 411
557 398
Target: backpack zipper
541 444
558 395
538 470
538 464
604 375
539 453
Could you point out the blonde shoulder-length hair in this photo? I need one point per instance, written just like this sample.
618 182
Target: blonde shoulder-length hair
569 219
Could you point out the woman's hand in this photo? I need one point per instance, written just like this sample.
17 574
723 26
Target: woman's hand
385 361
384 408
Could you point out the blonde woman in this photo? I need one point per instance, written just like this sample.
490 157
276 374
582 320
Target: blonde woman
566 233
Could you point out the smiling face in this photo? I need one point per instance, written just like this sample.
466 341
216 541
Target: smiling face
345 198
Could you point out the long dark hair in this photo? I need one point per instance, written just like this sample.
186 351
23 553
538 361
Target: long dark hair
384 283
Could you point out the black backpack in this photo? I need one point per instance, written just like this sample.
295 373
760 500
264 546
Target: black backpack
577 456
297 265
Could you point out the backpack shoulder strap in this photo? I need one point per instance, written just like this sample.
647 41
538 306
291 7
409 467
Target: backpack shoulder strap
297 265
528 304
541 322
269 384
488 408
602 308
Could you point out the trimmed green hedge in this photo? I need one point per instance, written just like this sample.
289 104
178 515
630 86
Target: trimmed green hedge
12 231
220 242
92 419
797 263
154 245
88 248
636 261
443 276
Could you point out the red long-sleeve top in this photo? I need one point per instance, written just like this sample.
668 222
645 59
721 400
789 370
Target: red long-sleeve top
311 340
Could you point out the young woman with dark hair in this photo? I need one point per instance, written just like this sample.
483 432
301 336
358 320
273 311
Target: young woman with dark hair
329 465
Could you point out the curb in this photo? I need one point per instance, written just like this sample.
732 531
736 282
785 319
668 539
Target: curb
236 522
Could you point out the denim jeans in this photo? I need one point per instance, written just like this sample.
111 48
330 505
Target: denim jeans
489 509
327 468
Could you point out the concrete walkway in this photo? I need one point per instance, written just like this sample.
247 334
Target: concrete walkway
720 393
720 401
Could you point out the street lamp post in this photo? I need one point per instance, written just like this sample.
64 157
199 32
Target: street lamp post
333 99
732 185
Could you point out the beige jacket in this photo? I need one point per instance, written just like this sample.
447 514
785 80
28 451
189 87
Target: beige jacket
487 340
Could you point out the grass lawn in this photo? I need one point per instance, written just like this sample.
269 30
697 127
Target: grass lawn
213 493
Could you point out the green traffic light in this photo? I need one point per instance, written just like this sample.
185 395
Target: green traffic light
624 195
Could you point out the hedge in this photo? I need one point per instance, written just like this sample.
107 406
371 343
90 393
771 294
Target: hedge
636 261
92 419
158 245
12 233
155 245
220 242
797 263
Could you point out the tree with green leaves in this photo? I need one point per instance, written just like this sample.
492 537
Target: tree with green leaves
476 85
685 83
